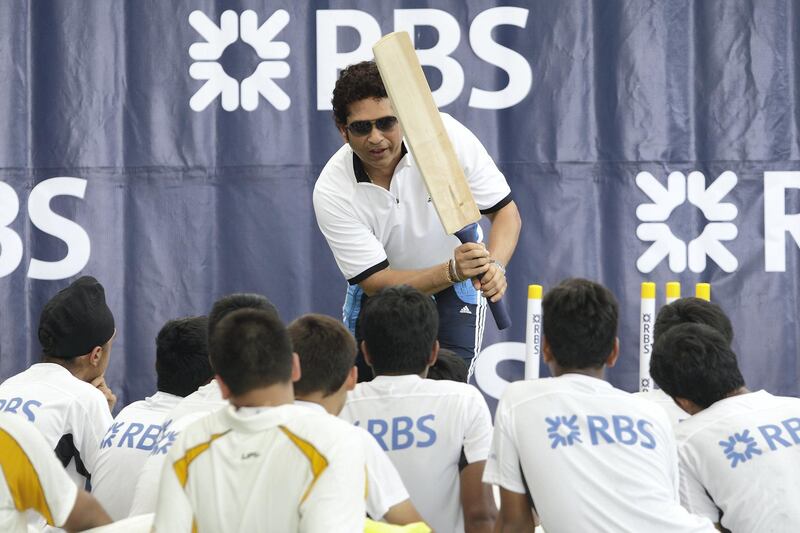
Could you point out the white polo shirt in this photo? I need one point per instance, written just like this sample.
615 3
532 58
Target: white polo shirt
282 468
385 488
71 414
425 427
124 449
198 404
369 228
31 478
661 398
595 458
740 460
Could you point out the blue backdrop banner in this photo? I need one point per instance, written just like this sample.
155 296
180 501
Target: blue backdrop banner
170 150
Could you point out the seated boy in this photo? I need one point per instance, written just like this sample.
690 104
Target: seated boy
739 452
590 456
437 433
261 463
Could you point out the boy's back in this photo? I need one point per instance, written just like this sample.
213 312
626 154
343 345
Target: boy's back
594 458
429 429
740 462
264 469
71 415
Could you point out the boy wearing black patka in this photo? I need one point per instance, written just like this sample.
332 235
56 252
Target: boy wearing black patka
65 396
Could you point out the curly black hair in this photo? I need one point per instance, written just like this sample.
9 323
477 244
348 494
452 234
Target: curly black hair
579 320
356 82
695 362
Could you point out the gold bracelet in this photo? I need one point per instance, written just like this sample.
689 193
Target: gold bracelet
453 273
447 273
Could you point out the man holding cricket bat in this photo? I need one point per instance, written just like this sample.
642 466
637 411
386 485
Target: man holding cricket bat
373 208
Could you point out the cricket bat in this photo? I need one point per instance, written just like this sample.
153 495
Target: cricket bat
428 141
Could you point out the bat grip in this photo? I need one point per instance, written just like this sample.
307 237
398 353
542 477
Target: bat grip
499 309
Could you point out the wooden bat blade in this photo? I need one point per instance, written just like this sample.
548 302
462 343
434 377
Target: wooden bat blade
424 131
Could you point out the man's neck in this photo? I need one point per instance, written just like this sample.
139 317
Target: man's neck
381 178
272 396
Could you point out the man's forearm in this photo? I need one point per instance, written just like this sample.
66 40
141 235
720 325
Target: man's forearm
428 280
504 233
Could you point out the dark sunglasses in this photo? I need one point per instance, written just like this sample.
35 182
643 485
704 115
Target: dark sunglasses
359 128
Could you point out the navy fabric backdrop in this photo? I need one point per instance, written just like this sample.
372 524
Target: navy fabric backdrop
183 194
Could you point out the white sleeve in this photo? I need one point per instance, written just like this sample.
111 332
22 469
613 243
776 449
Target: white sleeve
692 492
94 419
478 424
503 464
355 248
385 488
173 509
336 501
33 474
488 185
144 497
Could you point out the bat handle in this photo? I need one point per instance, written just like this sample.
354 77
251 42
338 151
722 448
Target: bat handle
499 309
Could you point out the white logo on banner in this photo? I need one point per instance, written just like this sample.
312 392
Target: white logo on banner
486 375
42 215
708 199
231 28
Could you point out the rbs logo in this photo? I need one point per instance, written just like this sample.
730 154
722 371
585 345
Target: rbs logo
402 432
146 441
41 216
620 429
14 405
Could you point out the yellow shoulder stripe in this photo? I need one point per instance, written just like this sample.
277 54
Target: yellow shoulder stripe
379 527
318 461
22 478
181 466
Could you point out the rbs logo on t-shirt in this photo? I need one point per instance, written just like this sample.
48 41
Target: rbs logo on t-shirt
619 429
15 405
146 441
402 432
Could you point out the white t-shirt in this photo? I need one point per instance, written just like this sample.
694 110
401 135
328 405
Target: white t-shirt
425 426
124 449
198 404
30 477
595 458
659 397
741 455
71 414
385 488
282 468
369 228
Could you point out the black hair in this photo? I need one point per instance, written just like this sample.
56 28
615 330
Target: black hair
399 326
232 302
182 363
449 366
250 349
695 362
327 353
579 322
356 82
696 311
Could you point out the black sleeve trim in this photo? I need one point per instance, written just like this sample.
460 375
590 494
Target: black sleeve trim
498 206
368 272
462 461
